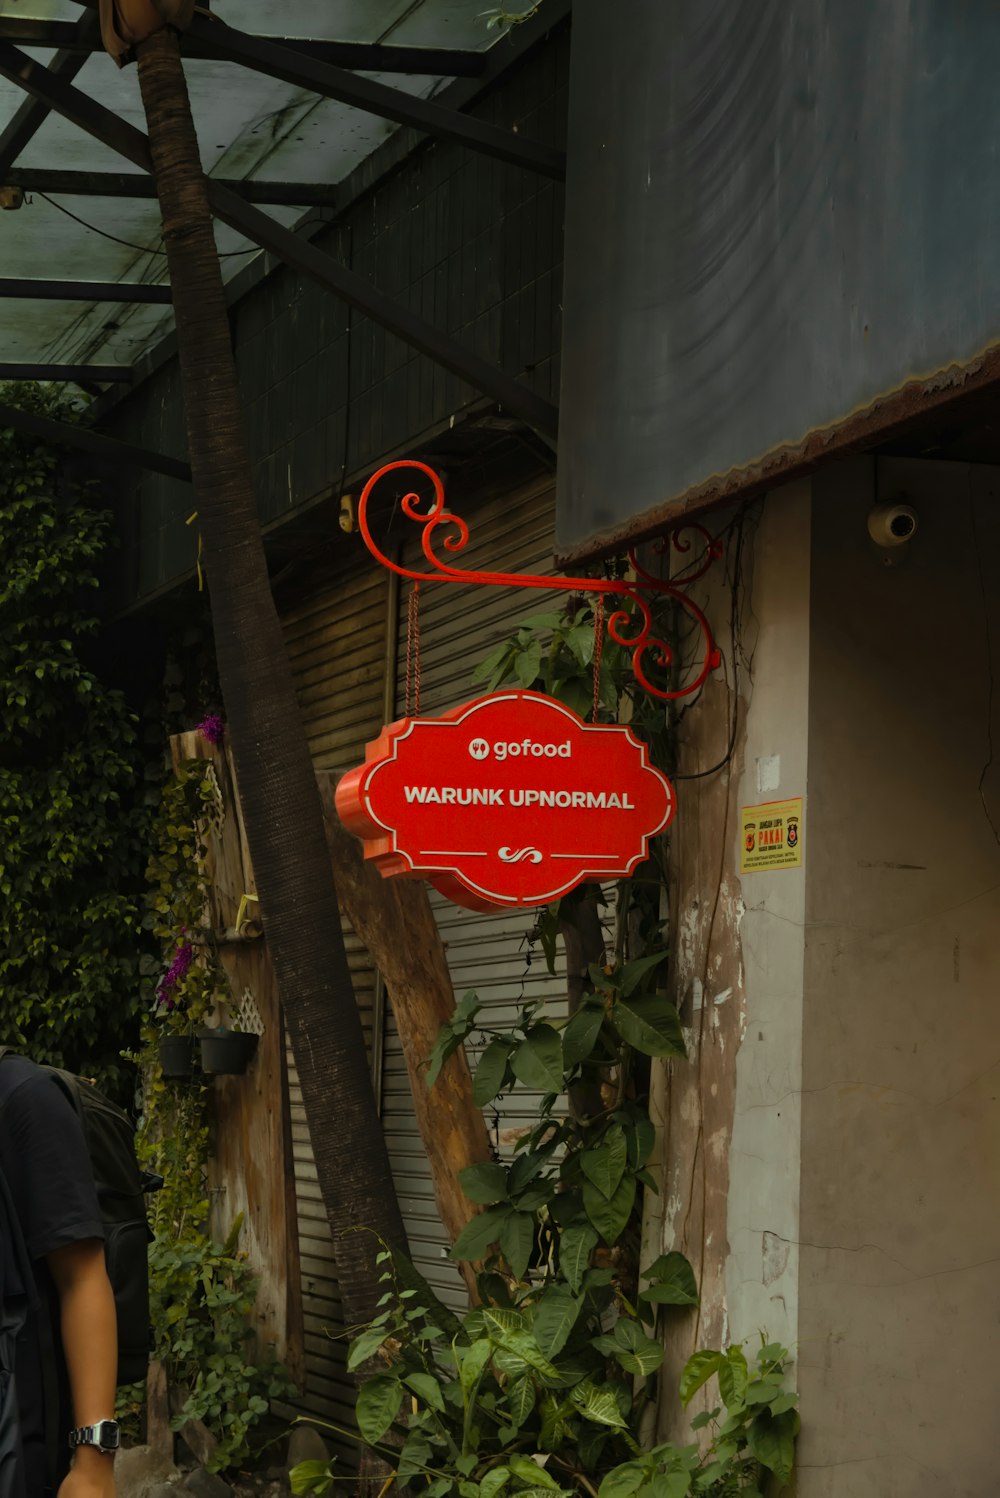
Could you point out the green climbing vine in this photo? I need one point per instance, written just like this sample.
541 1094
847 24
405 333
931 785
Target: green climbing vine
202 1291
71 813
545 1389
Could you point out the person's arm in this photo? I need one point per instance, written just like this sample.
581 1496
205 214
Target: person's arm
90 1342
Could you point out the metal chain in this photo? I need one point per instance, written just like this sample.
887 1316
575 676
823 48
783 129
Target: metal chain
598 649
413 652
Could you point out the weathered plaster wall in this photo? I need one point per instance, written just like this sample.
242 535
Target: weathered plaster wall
762 1220
900 1213
730 1112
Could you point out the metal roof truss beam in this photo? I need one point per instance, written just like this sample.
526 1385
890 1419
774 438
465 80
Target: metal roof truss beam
64 434
82 291
278 61
131 185
518 399
372 57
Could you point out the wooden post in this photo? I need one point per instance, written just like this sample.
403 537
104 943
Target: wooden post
250 1166
394 919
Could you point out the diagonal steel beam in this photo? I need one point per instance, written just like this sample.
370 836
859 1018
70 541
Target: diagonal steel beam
131 185
76 374
373 57
67 435
520 400
33 112
283 62
82 291
277 60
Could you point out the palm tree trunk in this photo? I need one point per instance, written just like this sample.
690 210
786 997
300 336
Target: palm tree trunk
282 809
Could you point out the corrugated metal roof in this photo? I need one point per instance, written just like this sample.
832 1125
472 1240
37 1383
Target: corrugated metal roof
249 126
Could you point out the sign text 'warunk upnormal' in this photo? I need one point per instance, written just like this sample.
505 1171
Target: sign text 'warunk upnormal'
510 800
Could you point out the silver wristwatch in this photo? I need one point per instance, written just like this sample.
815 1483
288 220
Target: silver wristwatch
105 1435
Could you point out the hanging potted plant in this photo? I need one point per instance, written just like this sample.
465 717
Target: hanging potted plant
226 1052
175 1046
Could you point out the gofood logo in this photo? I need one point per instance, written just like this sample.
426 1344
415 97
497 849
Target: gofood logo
519 748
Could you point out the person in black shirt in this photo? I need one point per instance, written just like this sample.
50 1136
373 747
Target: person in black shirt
71 1320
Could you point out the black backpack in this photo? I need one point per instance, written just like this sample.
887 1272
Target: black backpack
121 1188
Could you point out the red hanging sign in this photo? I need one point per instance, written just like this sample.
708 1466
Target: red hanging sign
507 801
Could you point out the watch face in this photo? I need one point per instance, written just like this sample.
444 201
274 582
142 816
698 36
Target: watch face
108 1435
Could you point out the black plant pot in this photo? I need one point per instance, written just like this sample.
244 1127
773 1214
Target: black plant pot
176 1054
227 1052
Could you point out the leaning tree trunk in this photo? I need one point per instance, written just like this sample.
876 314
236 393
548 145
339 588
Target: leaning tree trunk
281 802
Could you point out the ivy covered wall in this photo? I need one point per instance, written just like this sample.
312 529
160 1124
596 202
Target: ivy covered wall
71 815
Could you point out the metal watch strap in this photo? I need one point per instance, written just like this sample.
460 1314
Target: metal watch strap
104 1434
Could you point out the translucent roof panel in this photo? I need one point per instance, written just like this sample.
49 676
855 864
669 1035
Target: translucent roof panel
249 125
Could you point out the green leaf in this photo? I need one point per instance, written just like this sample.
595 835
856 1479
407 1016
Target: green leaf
623 1481
697 1371
485 1183
498 1321
411 1278
670 1485
311 1476
414 1456
520 1399
733 1377
604 1164
598 1405
644 1137
650 1025
531 1473
580 1035
580 640
363 1347
782 1403
474 1360
771 1438
492 1481
610 1217
377 1406
575 1247
633 973
772 1352
490 1072
636 1352
555 1317
445 1046
525 1349
517 1237
491 662
475 1238
542 621
528 663
426 1388
673 1282
537 1062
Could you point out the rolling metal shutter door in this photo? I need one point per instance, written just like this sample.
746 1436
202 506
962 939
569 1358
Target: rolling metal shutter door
490 953
336 642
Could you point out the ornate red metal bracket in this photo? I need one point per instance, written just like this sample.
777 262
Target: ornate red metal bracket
621 624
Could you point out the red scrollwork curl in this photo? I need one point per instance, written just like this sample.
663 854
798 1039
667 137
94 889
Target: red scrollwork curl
453 532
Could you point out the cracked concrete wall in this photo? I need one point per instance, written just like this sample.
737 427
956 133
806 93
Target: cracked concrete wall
899 1237
762 1223
730 1139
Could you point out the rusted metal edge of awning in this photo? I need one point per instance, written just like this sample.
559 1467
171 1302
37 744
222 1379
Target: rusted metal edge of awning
883 419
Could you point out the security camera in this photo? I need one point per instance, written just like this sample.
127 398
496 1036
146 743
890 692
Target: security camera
892 524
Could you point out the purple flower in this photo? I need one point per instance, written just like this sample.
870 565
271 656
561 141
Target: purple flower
183 958
213 729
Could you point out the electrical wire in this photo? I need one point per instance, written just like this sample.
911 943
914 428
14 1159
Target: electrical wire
988 764
130 243
736 529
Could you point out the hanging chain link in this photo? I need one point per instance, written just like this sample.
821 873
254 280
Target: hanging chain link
413 652
598 650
